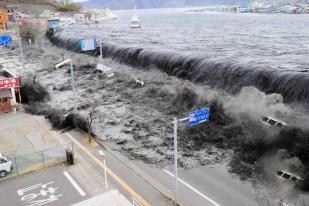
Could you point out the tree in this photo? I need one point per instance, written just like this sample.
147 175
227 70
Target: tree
89 121
68 7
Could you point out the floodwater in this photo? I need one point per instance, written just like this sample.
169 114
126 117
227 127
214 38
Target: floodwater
270 41
224 50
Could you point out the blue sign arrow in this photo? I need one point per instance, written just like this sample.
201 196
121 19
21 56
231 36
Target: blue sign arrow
199 116
6 41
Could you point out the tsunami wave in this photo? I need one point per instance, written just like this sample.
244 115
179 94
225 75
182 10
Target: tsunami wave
294 87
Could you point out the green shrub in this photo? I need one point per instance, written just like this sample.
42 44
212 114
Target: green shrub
71 7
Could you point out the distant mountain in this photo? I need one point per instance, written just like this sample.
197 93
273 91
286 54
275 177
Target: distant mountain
144 4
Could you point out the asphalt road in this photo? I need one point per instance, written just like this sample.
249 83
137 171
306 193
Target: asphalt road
199 186
204 186
135 183
52 187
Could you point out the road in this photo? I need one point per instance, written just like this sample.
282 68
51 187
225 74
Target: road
54 186
204 186
198 186
119 175
152 186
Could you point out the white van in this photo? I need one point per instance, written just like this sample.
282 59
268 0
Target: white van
6 166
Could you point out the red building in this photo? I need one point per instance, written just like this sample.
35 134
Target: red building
9 87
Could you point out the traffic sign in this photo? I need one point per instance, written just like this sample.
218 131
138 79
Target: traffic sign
88 44
6 41
199 116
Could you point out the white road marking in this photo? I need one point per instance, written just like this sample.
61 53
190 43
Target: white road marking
74 183
193 189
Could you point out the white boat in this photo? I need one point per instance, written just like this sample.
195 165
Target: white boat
135 23
101 15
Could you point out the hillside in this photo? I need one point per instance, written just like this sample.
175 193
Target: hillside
143 4
32 7
40 2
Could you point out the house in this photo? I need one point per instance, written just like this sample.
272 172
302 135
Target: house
4 19
53 23
9 87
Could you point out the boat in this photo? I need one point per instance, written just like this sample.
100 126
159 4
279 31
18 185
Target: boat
135 23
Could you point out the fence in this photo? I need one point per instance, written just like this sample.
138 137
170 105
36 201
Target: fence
39 160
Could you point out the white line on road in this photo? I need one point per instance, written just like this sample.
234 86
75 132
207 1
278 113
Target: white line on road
74 183
193 189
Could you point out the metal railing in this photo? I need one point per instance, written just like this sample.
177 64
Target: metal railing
38 160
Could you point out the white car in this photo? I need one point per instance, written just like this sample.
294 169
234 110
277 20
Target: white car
6 166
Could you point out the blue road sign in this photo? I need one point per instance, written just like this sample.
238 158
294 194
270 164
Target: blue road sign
6 41
88 44
199 116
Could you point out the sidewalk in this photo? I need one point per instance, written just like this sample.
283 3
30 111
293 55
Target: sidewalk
122 177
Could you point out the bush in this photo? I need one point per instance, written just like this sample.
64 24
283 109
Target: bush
55 116
33 92
243 169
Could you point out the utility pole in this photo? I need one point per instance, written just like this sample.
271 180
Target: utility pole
20 43
175 160
73 86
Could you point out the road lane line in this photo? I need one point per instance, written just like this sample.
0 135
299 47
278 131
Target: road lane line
109 171
193 189
74 183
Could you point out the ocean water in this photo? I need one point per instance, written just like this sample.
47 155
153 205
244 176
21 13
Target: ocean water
276 41
225 50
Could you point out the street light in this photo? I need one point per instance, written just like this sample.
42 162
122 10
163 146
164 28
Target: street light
101 153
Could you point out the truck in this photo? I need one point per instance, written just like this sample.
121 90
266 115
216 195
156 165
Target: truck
6 166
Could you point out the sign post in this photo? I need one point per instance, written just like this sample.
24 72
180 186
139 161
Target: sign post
20 44
195 118
101 52
88 44
175 160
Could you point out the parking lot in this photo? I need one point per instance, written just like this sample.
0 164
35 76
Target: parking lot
55 186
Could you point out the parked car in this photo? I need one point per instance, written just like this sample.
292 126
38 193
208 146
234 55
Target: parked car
6 166
270 121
